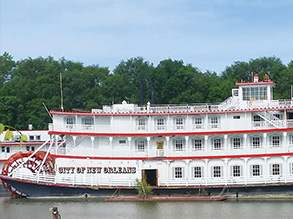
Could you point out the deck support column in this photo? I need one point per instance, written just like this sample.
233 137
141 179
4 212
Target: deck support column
206 138
245 145
129 145
285 171
285 142
226 160
111 143
148 146
93 139
186 144
245 170
265 144
167 146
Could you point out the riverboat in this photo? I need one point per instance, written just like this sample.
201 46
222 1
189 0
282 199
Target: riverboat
244 144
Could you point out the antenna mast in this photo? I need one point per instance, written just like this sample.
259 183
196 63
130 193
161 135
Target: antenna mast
61 92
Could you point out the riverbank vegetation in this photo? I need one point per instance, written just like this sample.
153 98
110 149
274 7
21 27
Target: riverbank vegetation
26 84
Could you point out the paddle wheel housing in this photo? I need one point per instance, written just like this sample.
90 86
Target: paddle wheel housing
31 161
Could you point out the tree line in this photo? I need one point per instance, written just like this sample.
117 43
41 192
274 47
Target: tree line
28 84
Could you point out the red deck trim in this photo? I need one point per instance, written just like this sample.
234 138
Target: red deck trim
172 133
24 143
172 113
175 158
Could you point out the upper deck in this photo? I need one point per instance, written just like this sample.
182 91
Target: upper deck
251 106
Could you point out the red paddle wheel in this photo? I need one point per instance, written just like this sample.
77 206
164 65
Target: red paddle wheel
32 163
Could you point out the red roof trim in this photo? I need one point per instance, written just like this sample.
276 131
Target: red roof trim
249 83
172 133
174 158
175 113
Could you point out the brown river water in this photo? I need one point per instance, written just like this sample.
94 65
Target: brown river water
94 208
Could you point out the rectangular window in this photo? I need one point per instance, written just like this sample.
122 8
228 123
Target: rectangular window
236 143
217 144
31 138
198 144
275 168
28 148
122 142
217 171
179 146
69 120
255 141
198 173
236 117
275 141
178 172
198 123
87 121
246 93
236 171
179 123
3 149
160 124
140 145
255 170
141 124
38 138
214 122
8 150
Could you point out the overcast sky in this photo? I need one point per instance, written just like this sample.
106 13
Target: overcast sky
209 34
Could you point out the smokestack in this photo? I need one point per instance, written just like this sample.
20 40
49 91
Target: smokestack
153 93
141 92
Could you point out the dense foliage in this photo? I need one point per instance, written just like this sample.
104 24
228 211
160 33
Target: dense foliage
28 84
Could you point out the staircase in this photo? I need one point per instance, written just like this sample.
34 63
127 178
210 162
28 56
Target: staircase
71 145
272 119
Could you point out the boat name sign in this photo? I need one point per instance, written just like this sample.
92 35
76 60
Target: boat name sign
97 170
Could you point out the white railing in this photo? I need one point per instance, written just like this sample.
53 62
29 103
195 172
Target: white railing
95 180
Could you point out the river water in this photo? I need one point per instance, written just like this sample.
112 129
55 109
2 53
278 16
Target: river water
95 209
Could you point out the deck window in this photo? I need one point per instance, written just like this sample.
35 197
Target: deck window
140 145
275 141
197 172
236 143
217 144
178 172
179 144
141 124
275 169
179 123
255 142
87 121
256 170
217 171
254 93
214 122
236 171
198 122
160 124
198 144
69 121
